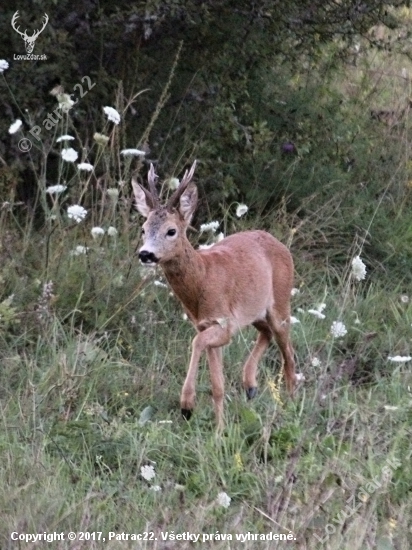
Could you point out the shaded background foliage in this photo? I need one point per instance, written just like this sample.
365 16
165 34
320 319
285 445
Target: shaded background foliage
252 96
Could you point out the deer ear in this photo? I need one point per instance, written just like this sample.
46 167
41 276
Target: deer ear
188 202
143 201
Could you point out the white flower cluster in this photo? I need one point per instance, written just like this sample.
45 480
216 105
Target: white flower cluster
400 358
211 226
76 213
65 137
318 311
3 65
358 269
65 102
338 329
223 499
15 127
69 155
85 166
112 114
148 472
132 152
56 189
97 232
241 210
79 250
173 183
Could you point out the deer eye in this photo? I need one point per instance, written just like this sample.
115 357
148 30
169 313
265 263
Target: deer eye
171 232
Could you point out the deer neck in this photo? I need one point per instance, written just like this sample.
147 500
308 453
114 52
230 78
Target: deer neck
185 273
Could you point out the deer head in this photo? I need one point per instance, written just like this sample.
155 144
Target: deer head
165 228
29 41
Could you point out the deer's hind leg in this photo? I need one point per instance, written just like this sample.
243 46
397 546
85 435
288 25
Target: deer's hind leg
250 367
280 325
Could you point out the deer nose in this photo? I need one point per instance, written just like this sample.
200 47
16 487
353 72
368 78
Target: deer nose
147 257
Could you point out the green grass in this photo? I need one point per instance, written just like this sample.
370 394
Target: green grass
83 410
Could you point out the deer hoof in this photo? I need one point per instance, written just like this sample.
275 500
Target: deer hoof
186 413
251 392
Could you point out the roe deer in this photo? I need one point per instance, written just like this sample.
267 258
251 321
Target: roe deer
245 279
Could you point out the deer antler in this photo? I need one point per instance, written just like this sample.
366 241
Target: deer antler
151 178
152 196
13 23
188 175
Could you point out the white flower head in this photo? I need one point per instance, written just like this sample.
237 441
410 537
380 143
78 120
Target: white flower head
65 102
338 329
15 127
147 472
317 313
400 358
132 152
113 193
76 213
112 114
294 320
405 298
85 166
173 183
211 226
241 210
223 499
3 65
66 137
100 139
69 154
358 269
156 488
56 189
294 291
315 362
112 231
220 237
79 250
97 232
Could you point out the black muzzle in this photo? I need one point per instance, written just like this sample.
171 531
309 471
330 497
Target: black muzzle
147 257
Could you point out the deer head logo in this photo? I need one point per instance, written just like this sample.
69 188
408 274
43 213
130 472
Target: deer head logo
29 41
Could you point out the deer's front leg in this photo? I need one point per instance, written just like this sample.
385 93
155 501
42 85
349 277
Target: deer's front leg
209 338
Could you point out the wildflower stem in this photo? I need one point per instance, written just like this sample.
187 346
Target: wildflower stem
163 97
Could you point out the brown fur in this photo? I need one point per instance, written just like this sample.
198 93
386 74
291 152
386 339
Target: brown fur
245 279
